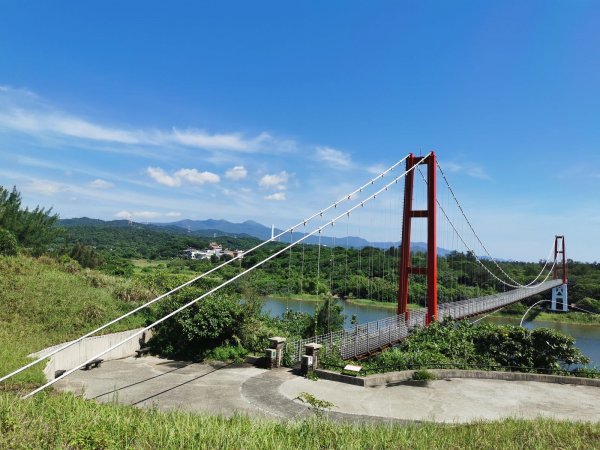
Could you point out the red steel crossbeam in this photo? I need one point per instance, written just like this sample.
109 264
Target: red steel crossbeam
560 250
405 269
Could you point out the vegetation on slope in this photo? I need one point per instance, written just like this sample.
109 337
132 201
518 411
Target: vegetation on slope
45 302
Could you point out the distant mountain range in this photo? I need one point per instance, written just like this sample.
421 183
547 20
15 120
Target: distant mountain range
260 231
249 228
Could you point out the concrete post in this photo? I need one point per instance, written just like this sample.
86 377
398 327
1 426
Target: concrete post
311 362
275 351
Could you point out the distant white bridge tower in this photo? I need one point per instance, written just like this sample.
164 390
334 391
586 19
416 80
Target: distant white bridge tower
560 293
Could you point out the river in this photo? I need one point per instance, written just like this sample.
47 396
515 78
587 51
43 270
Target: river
587 337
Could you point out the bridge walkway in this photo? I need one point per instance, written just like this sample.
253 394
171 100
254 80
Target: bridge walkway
362 340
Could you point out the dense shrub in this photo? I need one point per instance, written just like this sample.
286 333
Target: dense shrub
589 304
218 320
8 243
463 343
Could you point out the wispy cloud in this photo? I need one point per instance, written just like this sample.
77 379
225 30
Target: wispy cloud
277 196
100 184
334 158
192 176
43 187
274 181
236 173
173 214
160 176
195 177
469 169
124 214
24 112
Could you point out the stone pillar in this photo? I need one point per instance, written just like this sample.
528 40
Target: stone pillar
275 351
311 362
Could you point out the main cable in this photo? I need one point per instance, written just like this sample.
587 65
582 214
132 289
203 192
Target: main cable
222 285
473 230
193 280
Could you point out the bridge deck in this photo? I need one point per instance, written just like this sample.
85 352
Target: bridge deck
373 336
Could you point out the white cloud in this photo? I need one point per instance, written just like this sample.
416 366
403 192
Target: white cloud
160 176
146 214
137 215
203 139
100 184
124 215
24 112
195 177
190 175
275 181
277 196
334 158
471 170
236 173
173 214
43 187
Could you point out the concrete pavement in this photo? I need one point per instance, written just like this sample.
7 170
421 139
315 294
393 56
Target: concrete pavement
227 389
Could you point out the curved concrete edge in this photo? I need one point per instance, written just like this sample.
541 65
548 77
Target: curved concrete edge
89 347
262 392
382 379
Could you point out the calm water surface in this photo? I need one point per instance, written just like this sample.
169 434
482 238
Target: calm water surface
587 336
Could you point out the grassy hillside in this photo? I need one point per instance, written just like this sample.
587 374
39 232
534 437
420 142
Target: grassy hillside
65 421
44 302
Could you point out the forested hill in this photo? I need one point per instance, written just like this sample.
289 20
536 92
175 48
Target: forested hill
125 239
241 231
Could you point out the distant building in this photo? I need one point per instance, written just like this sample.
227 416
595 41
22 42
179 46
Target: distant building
213 249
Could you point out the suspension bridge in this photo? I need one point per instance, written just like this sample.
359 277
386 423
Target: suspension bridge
477 284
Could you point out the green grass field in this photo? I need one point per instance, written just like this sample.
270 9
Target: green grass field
41 304
65 421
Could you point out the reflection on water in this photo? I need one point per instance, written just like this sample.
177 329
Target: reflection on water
587 336
276 307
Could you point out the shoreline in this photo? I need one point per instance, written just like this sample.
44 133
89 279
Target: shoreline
541 317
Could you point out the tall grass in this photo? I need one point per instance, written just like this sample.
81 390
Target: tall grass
44 303
66 421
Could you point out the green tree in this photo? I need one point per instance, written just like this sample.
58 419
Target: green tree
329 317
8 243
33 229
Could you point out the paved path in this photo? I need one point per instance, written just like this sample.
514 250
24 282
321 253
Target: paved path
227 389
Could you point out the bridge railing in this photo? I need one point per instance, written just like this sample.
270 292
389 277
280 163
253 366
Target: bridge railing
372 336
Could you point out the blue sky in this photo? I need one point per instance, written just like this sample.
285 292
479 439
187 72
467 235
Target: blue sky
269 110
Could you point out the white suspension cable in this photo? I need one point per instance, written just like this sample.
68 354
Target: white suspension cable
484 266
222 285
516 285
193 280
473 230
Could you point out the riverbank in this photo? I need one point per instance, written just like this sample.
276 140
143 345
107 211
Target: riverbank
353 301
578 318
298 297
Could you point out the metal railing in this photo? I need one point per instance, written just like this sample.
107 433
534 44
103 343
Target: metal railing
372 336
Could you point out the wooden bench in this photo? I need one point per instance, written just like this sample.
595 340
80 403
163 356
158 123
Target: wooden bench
142 351
95 363
349 369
